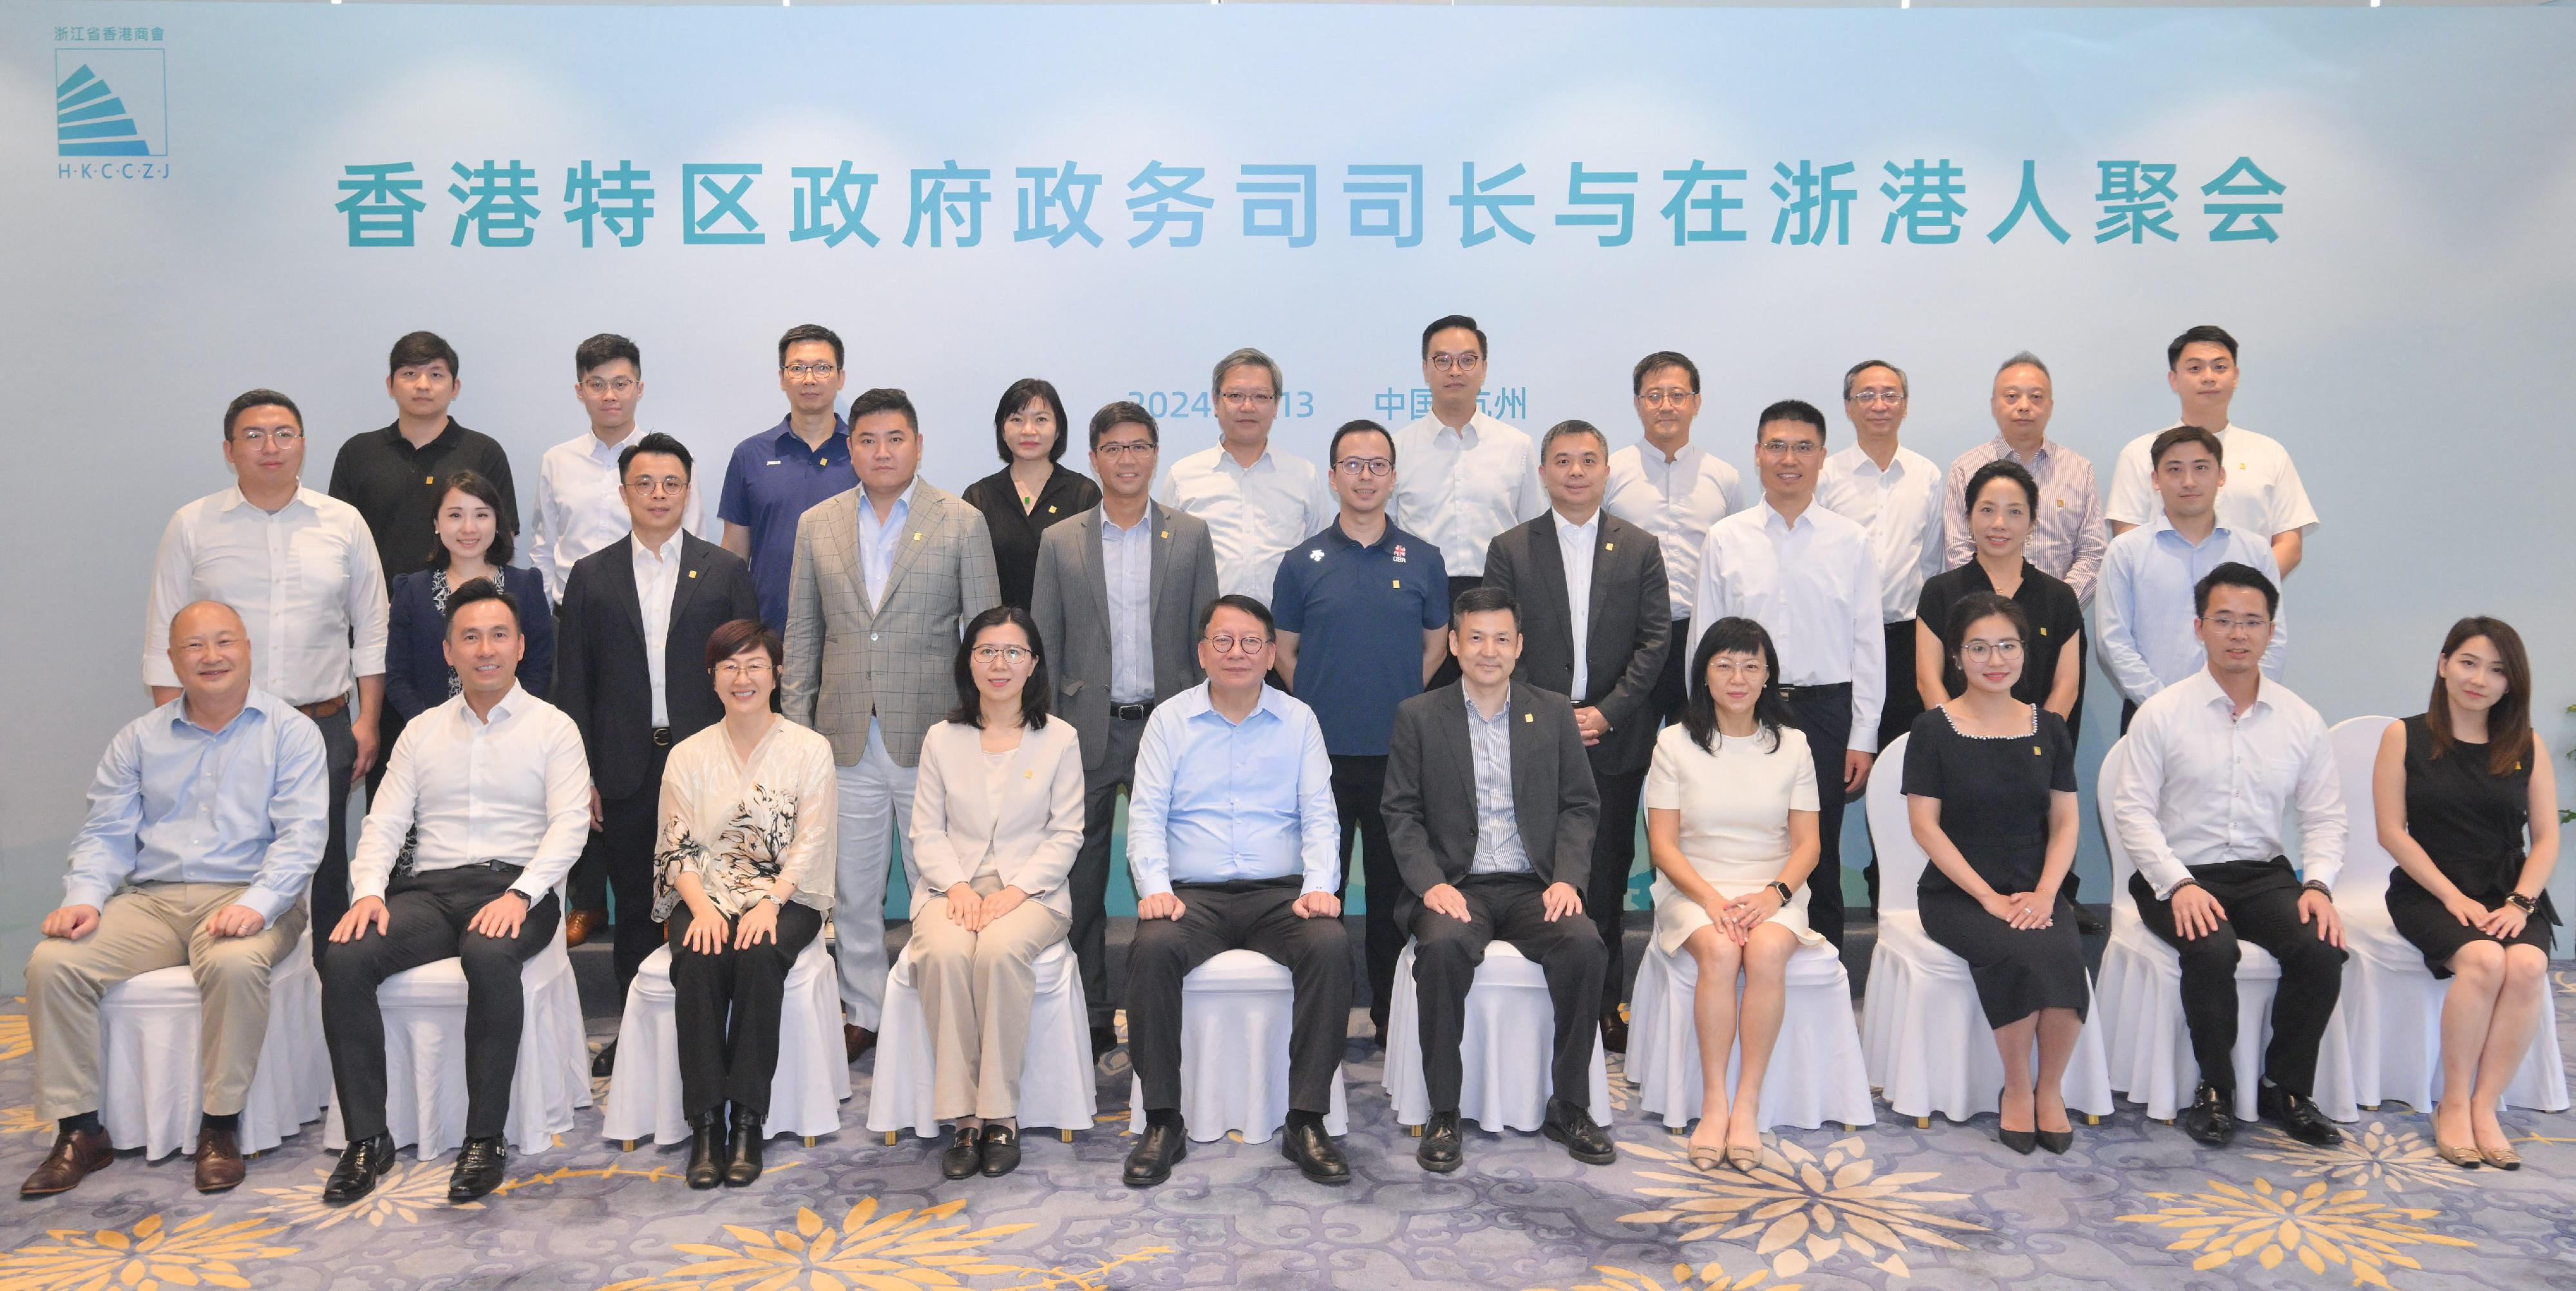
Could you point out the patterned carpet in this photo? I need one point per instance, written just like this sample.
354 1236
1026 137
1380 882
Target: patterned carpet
2135 1205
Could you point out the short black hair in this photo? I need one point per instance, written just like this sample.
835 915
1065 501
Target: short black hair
481 589
1978 606
737 635
2205 334
1648 365
884 399
810 332
1358 426
657 442
1033 695
481 490
2173 437
605 348
1016 398
1238 601
1484 599
1571 426
2234 573
1790 410
1123 412
419 350
1999 469
1447 321
249 399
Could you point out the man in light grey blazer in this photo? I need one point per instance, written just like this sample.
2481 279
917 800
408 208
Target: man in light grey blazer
1117 601
884 577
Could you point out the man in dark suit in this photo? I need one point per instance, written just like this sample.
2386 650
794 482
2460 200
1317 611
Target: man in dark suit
1490 811
1596 624
1117 600
630 670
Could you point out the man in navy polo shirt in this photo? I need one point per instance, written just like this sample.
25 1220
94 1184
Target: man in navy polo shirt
1363 611
776 475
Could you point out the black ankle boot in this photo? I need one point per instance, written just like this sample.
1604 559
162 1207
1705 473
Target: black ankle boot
743 1165
707 1149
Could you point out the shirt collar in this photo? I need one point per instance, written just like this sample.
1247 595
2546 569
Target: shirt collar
2004 451
902 505
1652 457
597 449
1386 538
1225 461
1466 435
1109 528
1771 517
785 439
1200 701
1475 714
2204 690
2162 523
233 499
507 706
1564 527
668 553
394 437
253 702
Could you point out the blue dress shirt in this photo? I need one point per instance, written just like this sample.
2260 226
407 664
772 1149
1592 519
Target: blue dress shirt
2142 611
1257 802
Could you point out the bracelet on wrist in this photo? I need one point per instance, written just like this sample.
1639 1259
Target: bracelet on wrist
2520 902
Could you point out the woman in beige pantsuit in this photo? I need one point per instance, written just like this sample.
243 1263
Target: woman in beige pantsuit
996 821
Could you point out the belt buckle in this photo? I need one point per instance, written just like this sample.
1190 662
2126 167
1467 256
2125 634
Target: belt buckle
661 737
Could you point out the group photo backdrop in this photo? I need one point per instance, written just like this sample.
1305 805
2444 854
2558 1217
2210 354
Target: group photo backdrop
2375 201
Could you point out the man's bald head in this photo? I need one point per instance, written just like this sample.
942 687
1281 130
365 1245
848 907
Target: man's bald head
213 613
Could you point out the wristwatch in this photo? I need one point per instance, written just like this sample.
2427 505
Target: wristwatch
2520 902
772 898
1781 888
2318 885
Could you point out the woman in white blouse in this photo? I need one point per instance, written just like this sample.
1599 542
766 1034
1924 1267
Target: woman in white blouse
996 820
1731 828
743 878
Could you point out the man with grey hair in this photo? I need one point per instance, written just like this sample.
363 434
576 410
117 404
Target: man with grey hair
1894 493
2066 536
1257 503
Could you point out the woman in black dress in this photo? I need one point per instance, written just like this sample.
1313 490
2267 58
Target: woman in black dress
2003 502
1033 489
1990 789
2454 790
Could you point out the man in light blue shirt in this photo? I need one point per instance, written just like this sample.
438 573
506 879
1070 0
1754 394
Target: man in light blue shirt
1230 837
2144 617
205 825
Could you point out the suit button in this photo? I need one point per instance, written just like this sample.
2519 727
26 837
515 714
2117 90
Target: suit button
872 636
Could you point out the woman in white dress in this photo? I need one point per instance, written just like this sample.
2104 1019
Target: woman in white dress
1731 828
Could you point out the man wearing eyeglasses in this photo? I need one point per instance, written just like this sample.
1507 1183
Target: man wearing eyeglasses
1473 476
1363 611
581 502
2144 617
781 473
1257 501
1675 490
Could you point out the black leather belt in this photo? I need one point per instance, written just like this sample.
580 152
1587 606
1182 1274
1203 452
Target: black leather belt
1131 712
1791 692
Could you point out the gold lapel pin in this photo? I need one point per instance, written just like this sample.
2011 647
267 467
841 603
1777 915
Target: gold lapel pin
1050 510
1609 546
693 573
2043 631
1395 582
1030 774
916 537
429 479
1167 533
1529 717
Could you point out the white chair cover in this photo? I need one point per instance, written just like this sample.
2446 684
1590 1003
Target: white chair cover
1236 1013
1817 1074
424 1012
1056 1086
1507 1048
2138 1001
804 1096
2392 1003
149 1029
1929 1048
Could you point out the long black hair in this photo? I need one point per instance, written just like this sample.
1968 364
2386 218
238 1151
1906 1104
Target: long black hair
1770 709
970 697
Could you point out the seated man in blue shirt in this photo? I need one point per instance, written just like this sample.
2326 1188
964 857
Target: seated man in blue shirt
1230 832
205 824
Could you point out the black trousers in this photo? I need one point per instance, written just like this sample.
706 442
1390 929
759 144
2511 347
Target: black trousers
425 922
1506 907
1249 915
1605 896
1459 584
725 1007
1088 883
619 854
1359 790
331 878
1823 714
1896 716
1672 689
2128 710
2262 901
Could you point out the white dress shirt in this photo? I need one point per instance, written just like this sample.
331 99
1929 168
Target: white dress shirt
1677 499
305 581
657 580
1253 513
1574 545
1901 508
878 539
513 788
579 508
1814 586
2204 784
2142 622
1127 570
2263 495
1461 487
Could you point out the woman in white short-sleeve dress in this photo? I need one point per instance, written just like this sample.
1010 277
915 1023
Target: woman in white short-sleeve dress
1731 828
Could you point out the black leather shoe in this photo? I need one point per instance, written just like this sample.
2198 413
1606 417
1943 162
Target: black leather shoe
478 1169
603 1064
361 1164
1584 1139
742 1164
1317 1156
2056 1141
1001 1150
1103 1039
1157 1150
707 1149
965 1154
2297 1115
1614 1034
2210 1120
1441 1150
1377 1033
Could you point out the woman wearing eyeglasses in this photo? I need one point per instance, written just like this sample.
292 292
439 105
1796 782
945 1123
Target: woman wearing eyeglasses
996 822
1990 788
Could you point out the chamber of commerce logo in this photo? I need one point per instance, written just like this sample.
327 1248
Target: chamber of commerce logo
110 103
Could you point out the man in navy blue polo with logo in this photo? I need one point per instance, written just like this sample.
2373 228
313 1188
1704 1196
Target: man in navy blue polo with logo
1363 611
776 475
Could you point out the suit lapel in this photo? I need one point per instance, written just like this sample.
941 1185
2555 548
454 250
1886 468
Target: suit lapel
1547 574
1605 584
919 518
693 563
1095 568
1162 547
621 583
1529 806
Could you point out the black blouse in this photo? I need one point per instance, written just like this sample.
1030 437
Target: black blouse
2056 622
1015 532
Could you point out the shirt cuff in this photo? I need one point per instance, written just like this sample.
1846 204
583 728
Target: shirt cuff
269 902
86 892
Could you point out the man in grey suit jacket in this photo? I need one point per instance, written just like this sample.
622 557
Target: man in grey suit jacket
1490 810
885 576
1604 647
1117 600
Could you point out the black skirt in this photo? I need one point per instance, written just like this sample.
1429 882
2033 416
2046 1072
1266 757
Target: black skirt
2420 919
2018 971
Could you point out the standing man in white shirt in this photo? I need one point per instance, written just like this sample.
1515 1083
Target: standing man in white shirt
1675 490
493 788
1257 502
2066 538
2264 498
580 508
2213 761
1809 578
1467 476
300 567
2146 623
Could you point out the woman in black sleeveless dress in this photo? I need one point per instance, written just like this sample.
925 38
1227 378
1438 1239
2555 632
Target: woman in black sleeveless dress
2454 790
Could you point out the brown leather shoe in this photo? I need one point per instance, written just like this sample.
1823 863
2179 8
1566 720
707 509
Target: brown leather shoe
581 923
219 1160
857 1040
75 1157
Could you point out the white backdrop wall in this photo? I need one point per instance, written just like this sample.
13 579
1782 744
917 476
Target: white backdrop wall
2405 327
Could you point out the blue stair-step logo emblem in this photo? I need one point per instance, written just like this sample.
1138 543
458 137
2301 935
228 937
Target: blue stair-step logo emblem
110 104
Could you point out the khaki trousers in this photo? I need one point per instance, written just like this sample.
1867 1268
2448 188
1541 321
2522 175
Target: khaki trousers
976 989
141 929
